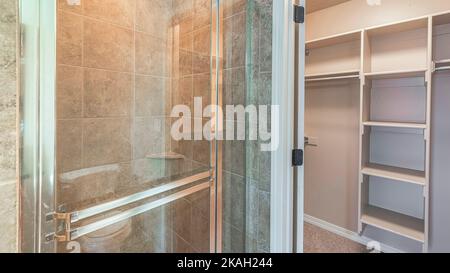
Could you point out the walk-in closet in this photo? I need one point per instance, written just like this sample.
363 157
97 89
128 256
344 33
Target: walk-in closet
378 127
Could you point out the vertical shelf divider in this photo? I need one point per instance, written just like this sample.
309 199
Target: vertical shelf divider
362 128
429 78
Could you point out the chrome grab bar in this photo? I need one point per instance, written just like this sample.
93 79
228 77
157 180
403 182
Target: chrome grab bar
96 210
82 231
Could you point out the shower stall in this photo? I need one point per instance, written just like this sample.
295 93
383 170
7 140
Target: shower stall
100 168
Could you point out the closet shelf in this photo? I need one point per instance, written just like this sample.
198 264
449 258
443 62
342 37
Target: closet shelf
396 74
334 40
395 124
395 173
442 65
351 74
442 61
394 222
407 25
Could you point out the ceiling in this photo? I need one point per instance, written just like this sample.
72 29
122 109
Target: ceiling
315 5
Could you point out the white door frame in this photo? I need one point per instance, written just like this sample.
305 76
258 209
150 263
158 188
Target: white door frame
286 234
300 131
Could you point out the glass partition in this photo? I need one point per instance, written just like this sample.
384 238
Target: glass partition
122 67
246 59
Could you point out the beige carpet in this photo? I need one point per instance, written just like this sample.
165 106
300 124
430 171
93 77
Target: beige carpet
318 240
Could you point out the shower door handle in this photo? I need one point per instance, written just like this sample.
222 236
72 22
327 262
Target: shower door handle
65 220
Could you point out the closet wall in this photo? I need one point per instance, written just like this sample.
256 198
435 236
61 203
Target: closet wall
332 126
331 190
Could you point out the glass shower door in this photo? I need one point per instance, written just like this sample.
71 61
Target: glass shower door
126 182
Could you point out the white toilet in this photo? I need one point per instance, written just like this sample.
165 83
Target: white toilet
106 240
91 183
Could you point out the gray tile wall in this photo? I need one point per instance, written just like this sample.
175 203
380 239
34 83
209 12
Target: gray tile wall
258 174
247 46
8 131
122 65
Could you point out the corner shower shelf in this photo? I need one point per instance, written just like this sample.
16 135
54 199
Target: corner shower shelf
396 74
395 173
395 124
397 223
167 156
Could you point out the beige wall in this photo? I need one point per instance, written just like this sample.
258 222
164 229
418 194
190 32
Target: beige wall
357 14
331 169
8 110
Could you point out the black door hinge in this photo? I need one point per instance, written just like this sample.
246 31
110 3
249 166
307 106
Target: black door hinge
299 14
297 158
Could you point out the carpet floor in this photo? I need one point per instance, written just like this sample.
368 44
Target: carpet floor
318 240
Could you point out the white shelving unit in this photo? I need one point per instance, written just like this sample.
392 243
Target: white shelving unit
385 75
395 65
403 71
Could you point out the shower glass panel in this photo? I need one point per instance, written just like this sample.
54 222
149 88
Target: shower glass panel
121 68
246 65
